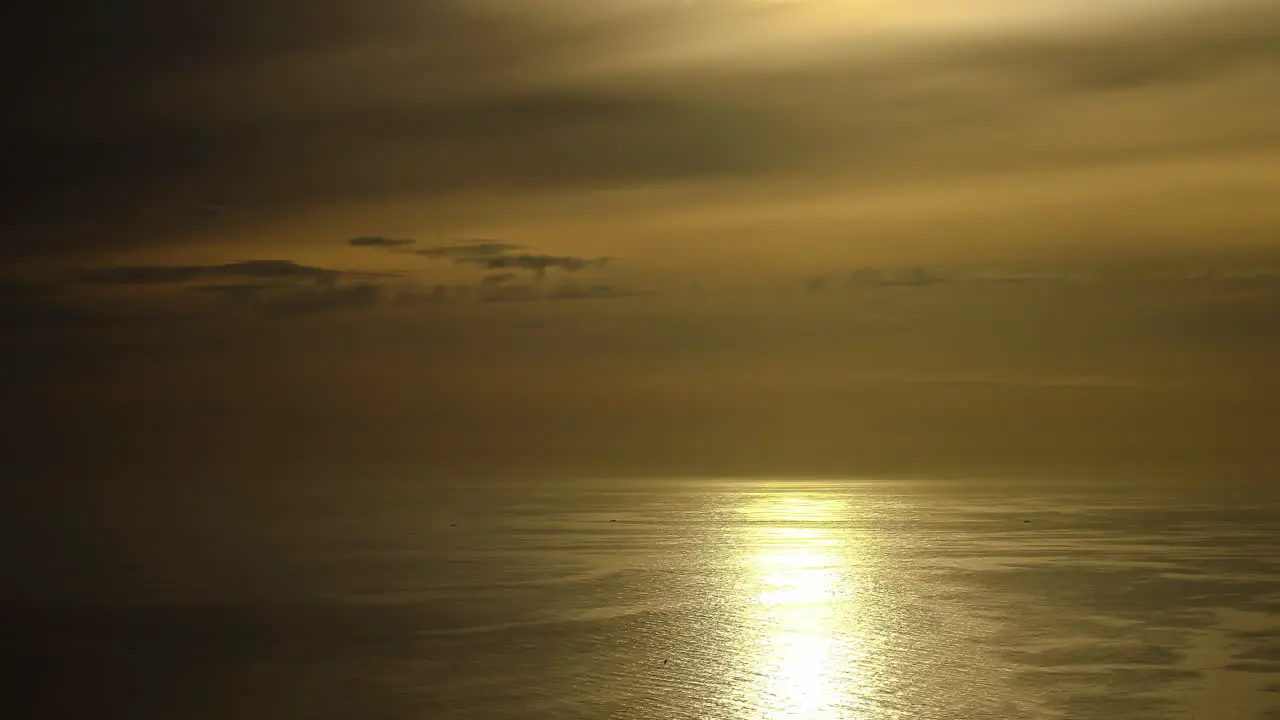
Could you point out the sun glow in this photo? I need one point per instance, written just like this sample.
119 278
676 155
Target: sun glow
810 656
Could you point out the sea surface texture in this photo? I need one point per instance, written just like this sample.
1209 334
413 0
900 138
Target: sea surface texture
650 600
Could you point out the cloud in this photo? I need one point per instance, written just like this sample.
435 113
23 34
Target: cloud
535 262
425 100
255 157
171 274
377 241
1202 42
498 255
498 279
869 276
469 250
1247 316
568 291
225 102
280 297
912 277
1016 277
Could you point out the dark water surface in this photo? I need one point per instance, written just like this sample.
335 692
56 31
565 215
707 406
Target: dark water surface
656 599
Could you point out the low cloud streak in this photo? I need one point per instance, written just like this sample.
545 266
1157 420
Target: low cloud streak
162 275
380 242
470 251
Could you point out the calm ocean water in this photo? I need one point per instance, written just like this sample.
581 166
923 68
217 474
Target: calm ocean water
648 600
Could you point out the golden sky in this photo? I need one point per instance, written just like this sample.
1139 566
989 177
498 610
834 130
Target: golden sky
838 234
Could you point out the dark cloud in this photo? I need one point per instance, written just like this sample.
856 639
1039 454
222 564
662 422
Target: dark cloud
159 274
1269 651
1204 42
1234 313
213 103
872 277
284 107
498 255
551 139
988 103
381 242
469 250
177 95
1020 278
281 297
1269 668
537 262
498 279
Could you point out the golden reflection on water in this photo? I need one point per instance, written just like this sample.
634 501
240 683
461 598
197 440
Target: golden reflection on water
810 655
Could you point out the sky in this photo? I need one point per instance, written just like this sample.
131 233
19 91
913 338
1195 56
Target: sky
643 236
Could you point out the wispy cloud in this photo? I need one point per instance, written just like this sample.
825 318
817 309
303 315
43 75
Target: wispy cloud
498 279
876 277
538 263
568 291
378 241
170 274
468 251
492 255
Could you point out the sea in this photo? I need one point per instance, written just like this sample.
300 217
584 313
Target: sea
645 599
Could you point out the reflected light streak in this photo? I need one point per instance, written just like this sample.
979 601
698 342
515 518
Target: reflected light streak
810 661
